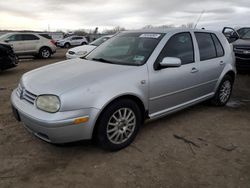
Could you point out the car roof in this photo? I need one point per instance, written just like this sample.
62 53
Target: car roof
14 33
168 30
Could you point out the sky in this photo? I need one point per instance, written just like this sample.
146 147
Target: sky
68 15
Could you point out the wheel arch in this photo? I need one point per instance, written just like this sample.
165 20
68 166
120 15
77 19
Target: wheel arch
231 74
134 98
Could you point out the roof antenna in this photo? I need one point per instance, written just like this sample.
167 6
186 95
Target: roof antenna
202 12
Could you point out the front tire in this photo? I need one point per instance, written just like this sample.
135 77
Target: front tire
67 45
118 125
223 92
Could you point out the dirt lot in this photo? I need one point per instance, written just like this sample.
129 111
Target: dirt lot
220 156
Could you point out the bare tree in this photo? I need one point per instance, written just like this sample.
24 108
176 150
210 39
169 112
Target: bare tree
114 30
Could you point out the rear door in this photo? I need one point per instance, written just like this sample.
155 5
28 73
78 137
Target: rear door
30 42
211 60
171 88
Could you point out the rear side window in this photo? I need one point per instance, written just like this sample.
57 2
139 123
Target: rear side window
180 46
218 46
29 37
206 46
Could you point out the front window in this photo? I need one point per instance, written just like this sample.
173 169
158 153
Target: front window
244 33
127 49
4 36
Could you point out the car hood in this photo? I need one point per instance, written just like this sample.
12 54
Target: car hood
64 76
241 42
87 48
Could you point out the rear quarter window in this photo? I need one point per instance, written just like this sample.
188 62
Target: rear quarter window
219 48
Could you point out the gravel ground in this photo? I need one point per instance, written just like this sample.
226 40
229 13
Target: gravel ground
219 155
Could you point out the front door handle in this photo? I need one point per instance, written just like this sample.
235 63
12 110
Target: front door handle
194 70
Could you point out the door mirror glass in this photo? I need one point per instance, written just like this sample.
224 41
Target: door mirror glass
170 62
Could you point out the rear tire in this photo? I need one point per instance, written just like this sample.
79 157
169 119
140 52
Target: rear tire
223 92
84 43
45 53
118 125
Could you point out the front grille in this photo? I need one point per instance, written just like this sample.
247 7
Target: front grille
242 56
22 93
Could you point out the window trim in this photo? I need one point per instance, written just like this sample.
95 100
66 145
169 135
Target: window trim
157 64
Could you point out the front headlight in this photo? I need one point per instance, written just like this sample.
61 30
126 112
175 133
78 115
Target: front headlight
48 103
81 53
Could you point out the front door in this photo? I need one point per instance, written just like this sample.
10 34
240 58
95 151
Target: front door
16 42
173 88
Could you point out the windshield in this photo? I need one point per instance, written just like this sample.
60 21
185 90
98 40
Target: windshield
244 33
99 41
127 49
4 36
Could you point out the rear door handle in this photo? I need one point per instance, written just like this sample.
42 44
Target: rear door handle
222 62
194 70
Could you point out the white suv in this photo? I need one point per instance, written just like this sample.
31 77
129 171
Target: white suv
72 41
30 44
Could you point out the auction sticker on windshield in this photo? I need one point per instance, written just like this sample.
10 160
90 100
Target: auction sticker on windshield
150 35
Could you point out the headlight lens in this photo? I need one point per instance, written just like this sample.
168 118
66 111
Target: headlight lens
81 53
48 103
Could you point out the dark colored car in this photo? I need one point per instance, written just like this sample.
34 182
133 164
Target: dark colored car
7 57
240 40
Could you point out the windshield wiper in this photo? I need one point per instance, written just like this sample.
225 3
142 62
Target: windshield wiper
103 60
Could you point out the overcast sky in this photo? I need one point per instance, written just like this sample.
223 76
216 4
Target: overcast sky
131 14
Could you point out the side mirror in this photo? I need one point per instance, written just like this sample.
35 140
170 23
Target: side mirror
231 34
7 40
170 62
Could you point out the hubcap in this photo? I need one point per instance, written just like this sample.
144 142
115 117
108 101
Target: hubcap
121 125
225 91
45 53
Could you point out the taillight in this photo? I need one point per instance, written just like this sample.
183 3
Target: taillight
53 42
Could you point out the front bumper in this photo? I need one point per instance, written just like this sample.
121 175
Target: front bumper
55 128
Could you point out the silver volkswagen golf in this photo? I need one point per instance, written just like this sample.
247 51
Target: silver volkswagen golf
136 75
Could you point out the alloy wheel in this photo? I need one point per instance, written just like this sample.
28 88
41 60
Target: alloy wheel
121 125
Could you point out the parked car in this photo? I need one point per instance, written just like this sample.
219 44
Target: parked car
135 75
240 40
29 44
81 51
72 41
7 57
